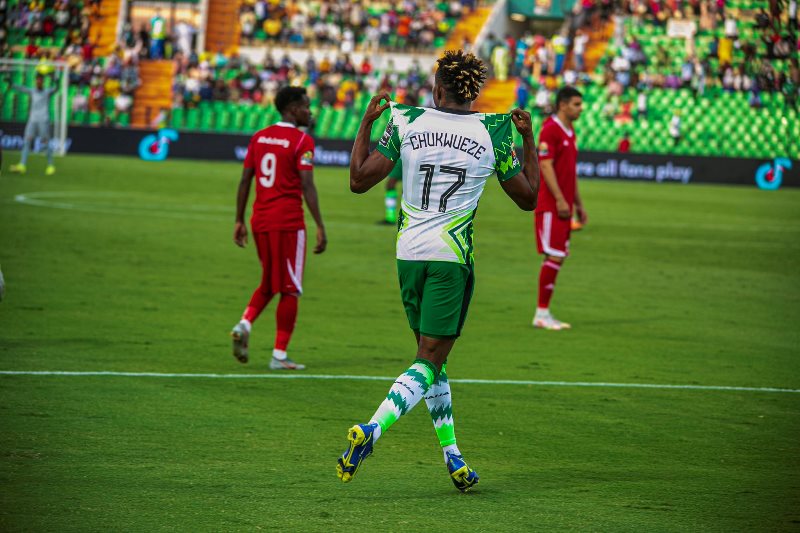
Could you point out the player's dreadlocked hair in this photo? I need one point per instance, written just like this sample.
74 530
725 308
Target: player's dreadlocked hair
462 75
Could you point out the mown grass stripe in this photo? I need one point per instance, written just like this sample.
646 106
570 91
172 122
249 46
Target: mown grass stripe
346 377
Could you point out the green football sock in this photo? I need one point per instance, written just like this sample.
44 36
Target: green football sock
408 389
390 201
440 406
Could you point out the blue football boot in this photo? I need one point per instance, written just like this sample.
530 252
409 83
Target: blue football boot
361 441
464 478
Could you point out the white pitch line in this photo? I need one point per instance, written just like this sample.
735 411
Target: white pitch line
385 378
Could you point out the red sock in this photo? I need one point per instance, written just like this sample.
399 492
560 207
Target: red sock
258 302
285 318
547 282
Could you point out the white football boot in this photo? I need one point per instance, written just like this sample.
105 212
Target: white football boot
544 320
241 340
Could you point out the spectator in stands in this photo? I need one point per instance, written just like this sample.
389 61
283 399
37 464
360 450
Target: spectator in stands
687 72
624 145
129 76
80 103
500 60
641 105
579 50
247 23
221 92
122 105
61 16
675 127
727 77
158 35
488 47
520 55
699 79
542 101
522 94
143 42
741 82
755 95
559 44
184 34
791 86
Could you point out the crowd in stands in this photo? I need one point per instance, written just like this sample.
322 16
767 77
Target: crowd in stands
51 22
338 83
48 31
715 52
155 41
347 24
669 62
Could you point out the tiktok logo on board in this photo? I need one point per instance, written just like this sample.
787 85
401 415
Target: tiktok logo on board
769 176
155 147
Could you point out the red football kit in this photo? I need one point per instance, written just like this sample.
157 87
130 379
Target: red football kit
277 154
556 143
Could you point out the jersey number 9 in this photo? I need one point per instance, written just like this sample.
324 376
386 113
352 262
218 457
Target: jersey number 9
268 164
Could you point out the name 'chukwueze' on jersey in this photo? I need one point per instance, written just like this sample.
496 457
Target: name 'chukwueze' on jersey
446 158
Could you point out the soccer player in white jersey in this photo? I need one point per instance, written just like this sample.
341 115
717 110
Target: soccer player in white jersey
447 154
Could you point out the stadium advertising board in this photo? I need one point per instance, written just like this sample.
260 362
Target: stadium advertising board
167 143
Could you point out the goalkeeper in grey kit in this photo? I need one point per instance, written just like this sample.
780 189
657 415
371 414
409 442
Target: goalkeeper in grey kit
38 123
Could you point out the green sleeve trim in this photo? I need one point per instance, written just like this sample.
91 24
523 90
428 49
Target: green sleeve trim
499 127
397 170
389 145
510 174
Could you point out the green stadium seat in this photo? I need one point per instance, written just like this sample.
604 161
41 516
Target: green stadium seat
23 105
253 120
223 120
177 119
237 122
78 117
193 119
206 119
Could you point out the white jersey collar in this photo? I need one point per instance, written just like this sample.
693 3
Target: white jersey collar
568 131
285 124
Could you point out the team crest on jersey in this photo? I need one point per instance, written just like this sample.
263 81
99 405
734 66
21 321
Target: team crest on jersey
387 134
307 158
544 149
514 160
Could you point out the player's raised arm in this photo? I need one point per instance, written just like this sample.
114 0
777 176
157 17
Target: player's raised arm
530 161
523 188
240 228
367 170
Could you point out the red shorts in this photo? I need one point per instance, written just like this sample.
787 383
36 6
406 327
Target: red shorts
552 234
283 256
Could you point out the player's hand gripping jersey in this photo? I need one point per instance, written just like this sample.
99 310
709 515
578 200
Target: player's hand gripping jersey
446 157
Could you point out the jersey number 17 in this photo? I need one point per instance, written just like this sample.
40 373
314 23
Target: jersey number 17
461 177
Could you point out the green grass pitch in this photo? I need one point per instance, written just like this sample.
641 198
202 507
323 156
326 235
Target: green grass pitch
120 265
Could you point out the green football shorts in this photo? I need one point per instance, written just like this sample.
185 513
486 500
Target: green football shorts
436 296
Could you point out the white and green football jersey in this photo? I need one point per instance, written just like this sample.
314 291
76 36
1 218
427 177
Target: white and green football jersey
446 158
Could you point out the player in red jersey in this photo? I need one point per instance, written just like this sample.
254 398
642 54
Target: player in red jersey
558 158
280 158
